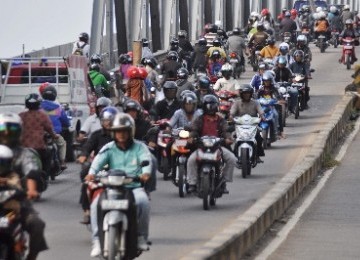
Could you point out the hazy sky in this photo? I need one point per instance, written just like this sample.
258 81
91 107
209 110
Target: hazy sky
41 23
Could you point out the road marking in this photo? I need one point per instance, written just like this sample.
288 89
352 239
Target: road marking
284 232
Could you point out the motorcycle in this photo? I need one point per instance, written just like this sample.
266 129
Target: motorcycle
164 141
299 83
54 165
267 126
226 99
287 37
12 236
246 128
254 56
118 228
283 91
211 183
348 51
334 40
305 30
181 154
321 42
235 61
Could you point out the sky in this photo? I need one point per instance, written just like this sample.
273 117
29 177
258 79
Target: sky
41 24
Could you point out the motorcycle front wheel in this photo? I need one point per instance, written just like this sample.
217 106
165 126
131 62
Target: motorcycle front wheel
264 135
181 182
114 243
245 162
205 189
347 61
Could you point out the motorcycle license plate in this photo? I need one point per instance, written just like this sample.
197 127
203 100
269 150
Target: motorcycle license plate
297 84
209 156
114 204
321 37
234 61
180 142
348 47
4 222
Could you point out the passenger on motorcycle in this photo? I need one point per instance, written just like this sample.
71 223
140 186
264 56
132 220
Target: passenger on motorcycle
216 46
301 44
58 118
182 82
26 164
247 105
256 80
170 66
300 67
350 32
211 124
167 107
136 87
322 26
227 82
236 44
146 53
268 90
92 123
214 65
35 124
99 84
270 50
124 153
91 148
288 25
284 52
96 59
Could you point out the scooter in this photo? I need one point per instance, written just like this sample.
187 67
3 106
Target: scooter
52 149
164 141
267 126
348 52
226 100
235 61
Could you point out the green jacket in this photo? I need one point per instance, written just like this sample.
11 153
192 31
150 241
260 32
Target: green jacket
98 79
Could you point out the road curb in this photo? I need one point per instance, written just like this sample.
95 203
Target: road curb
234 241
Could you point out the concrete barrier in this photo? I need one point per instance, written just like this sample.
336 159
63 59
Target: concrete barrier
248 228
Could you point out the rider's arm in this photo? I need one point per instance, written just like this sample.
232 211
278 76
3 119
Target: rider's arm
234 109
174 120
101 159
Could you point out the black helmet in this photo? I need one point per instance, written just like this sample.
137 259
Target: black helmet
151 62
84 37
260 26
182 34
49 93
6 159
236 31
170 85
216 54
145 42
32 101
174 42
172 55
182 73
125 59
210 104
95 58
95 66
202 41
204 82
246 88
271 41
217 42
210 28
132 105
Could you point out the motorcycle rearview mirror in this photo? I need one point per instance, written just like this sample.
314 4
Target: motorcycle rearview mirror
144 163
312 70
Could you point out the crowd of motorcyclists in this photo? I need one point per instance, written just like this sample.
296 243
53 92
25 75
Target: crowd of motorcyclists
194 90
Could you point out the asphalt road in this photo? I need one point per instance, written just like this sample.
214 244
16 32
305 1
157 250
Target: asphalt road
179 226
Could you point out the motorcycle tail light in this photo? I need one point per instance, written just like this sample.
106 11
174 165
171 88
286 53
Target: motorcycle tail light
233 55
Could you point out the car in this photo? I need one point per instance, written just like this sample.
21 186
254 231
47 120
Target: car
299 3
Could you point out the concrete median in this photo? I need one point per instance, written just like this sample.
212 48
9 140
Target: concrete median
234 241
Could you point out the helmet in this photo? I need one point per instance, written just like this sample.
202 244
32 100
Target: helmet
145 42
170 85
267 76
108 114
95 58
226 70
284 10
182 73
298 53
265 12
282 60
6 158
349 22
216 42
236 31
271 41
49 93
318 9
322 15
333 9
216 54
142 73
95 66
189 97
346 7
293 12
124 59
151 62
202 41
133 72
103 102
287 14
132 105
246 88
32 101
84 37
301 38
174 42
204 82
260 26
10 128
210 28
42 87
123 121
182 33
210 104
284 48
172 55
262 66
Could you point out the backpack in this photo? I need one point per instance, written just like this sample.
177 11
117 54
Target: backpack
322 26
79 50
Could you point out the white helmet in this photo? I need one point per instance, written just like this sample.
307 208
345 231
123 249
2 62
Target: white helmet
301 38
346 7
322 15
333 9
6 157
318 9
226 67
284 44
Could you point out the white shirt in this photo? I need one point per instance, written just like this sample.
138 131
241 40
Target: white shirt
224 84
91 124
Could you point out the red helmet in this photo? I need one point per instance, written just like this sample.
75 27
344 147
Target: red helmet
293 12
264 12
42 87
142 73
133 72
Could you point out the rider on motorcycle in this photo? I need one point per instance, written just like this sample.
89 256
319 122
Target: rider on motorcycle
270 50
25 163
284 52
256 80
301 44
58 118
288 25
124 153
182 82
211 124
247 105
200 60
350 32
170 66
259 38
99 84
322 26
203 89
227 82
186 47
236 43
